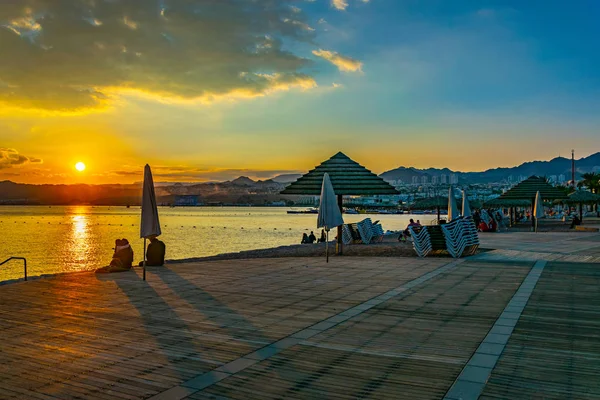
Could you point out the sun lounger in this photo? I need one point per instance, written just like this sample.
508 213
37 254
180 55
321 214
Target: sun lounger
350 234
362 232
458 238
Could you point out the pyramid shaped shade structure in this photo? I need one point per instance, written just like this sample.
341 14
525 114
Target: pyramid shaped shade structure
527 190
347 177
584 197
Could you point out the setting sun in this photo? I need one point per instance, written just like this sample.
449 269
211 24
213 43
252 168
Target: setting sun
80 166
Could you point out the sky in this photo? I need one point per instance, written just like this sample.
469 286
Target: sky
208 90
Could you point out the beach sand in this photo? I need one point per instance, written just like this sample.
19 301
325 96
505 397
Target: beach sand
389 247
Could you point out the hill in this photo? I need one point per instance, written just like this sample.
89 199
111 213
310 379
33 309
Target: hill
557 166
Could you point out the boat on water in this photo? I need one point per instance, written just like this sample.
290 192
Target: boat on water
309 211
350 211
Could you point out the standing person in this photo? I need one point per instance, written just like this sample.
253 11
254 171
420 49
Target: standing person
304 238
312 238
477 218
323 238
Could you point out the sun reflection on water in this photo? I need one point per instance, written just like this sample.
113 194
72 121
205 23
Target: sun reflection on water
79 243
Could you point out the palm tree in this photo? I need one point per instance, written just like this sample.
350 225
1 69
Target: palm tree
591 180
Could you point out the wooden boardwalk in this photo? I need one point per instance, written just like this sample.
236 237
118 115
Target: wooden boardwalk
397 328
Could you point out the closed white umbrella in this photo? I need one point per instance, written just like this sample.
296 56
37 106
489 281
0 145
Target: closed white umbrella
330 215
452 206
150 226
538 210
466 208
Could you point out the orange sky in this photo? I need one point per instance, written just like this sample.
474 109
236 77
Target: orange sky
281 90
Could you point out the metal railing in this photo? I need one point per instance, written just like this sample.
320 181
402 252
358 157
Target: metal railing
17 258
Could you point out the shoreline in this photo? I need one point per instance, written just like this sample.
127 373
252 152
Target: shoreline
389 247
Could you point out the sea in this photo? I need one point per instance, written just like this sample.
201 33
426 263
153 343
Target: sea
78 238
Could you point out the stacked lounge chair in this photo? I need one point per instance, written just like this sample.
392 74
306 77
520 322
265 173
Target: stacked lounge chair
461 237
350 234
364 231
458 238
421 240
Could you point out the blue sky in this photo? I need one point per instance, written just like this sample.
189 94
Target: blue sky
468 85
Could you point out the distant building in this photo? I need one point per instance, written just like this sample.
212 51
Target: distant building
308 201
453 179
510 179
561 179
187 201
415 180
443 179
434 180
424 180
553 178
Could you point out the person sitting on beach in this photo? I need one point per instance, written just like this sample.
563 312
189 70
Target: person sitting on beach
419 222
122 259
155 254
124 253
576 221
312 238
323 238
406 234
304 239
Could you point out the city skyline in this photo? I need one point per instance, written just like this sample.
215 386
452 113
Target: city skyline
211 92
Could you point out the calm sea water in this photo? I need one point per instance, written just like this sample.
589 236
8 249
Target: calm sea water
75 238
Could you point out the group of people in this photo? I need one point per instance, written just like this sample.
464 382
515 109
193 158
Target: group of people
310 239
122 259
406 233
493 221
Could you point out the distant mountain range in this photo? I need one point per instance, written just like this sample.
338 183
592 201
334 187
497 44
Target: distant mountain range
286 178
557 166
244 190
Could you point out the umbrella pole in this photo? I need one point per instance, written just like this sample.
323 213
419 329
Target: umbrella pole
144 273
581 212
438 214
327 246
339 229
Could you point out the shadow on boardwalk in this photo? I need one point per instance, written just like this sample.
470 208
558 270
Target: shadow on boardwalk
162 323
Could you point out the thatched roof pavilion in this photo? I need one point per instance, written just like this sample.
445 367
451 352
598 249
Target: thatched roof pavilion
507 203
582 197
347 178
527 189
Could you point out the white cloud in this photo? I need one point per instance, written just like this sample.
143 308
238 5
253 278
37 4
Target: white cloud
345 64
339 4
176 50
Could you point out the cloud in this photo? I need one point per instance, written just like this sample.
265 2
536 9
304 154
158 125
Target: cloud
87 53
345 64
339 4
11 157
